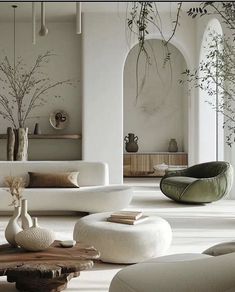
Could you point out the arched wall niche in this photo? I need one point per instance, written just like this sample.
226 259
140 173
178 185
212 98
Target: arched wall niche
161 110
210 123
103 65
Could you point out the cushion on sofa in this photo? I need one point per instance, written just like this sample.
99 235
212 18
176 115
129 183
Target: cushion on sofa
220 249
52 180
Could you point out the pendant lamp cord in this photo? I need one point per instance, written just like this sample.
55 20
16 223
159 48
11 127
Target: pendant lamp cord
14 35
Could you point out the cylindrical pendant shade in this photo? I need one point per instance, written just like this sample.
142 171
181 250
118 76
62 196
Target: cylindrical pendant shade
33 24
78 18
44 30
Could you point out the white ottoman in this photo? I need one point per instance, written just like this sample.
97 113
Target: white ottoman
121 243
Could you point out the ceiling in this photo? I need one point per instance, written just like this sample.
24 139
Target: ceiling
65 11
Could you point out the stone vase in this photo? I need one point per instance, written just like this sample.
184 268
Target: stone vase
13 227
17 144
173 147
35 238
26 219
131 143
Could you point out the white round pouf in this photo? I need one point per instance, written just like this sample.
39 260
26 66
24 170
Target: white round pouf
122 243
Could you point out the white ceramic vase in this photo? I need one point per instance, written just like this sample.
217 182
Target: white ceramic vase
35 238
26 219
13 227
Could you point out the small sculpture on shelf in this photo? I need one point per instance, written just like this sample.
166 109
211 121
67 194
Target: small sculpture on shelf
37 129
131 143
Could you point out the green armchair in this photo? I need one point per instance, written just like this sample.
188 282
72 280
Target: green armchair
201 183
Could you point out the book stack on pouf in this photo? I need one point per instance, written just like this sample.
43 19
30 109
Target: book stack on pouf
127 217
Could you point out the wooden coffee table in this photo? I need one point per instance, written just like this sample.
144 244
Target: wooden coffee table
45 271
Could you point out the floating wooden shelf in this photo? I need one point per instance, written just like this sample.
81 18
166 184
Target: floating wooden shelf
49 136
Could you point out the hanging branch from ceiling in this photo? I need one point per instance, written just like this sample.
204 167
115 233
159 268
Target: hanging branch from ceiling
226 11
143 16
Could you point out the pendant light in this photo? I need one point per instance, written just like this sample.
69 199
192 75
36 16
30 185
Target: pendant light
44 30
33 23
14 37
78 18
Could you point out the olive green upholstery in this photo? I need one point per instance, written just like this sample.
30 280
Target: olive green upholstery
201 183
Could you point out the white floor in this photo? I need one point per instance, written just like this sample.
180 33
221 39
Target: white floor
195 228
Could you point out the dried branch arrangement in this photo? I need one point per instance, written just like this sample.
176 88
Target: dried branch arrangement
24 89
16 185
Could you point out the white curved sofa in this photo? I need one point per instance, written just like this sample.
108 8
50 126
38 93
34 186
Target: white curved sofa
94 195
178 273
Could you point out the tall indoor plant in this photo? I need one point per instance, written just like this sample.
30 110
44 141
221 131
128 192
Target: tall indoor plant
216 75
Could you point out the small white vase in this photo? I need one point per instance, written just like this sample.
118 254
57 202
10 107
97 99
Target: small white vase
35 238
25 217
13 227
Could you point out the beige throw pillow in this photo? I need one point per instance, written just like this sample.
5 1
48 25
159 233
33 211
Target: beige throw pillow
53 180
221 248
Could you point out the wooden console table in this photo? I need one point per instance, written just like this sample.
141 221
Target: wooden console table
45 271
142 164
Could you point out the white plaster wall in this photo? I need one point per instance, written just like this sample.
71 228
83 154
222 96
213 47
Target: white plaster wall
104 47
63 41
159 113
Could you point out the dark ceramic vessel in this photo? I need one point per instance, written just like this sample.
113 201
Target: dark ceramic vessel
131 143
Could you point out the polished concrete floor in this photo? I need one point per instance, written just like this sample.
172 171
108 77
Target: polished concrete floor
195 228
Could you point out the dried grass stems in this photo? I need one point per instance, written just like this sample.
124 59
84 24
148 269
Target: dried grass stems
16 185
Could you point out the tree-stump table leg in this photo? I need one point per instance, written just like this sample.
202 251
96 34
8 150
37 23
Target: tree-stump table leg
33 284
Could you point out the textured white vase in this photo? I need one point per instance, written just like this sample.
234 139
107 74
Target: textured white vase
25 217
35 238
13 227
